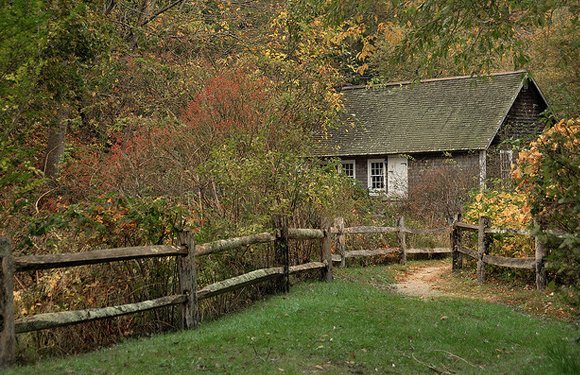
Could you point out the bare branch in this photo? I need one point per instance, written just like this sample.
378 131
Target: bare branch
161 11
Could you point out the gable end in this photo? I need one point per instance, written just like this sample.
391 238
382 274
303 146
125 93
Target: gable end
522 121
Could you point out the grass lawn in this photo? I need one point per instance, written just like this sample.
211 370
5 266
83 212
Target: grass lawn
353 325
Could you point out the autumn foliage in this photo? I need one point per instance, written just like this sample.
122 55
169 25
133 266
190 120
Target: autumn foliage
548 173
198 114
505 209
232 100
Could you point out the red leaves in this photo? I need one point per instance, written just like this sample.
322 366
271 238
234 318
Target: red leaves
163 156
230 100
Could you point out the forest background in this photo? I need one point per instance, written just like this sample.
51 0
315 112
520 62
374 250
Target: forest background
125 120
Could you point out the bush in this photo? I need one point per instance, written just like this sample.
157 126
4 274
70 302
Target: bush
441 195
233 159
548 173
505 209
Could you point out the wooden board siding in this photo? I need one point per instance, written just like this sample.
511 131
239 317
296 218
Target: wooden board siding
521 123
422 166
361 171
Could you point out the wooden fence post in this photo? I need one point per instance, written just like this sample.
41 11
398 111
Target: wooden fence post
7 333
540 266
481 248
188 281
326 255
402 235
340 240
457 257
281 248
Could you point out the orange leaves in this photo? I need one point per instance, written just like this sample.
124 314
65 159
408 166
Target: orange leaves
547 177
561 139
231 99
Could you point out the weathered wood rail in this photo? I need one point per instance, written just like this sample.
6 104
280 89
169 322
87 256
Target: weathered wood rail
401 230
187 251
188 295
49 261
484 231
64 318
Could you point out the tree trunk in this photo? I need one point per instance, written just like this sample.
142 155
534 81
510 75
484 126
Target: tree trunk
55 144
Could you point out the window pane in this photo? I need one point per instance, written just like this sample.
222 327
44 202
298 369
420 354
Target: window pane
348 169
506 162
377 173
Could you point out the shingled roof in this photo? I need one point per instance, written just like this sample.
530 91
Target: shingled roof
448 114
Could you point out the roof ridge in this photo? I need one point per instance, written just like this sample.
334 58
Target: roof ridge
402 83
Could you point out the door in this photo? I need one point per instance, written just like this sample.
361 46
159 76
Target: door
397 178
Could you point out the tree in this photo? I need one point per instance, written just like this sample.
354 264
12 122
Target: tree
553 50
44 61
456 37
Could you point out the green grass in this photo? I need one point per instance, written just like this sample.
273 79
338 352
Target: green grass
353 325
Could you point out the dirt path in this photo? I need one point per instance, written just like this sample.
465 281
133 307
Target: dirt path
422 281
434 280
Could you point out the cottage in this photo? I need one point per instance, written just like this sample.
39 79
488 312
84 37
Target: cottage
395 134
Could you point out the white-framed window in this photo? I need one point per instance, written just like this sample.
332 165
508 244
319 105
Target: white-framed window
376 175
506 163
348 167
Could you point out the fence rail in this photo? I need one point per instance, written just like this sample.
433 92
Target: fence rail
233 243
366 230
525 263
188 295
49 261
401 230
64 318
484 231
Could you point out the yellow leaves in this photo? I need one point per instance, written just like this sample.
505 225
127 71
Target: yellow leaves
505 210
362 69
366 51
570 129
274 55
316 40
562 139
529 162
334 99
392 33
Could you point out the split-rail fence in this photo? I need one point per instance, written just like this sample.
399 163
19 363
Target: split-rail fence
187 251
480 254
